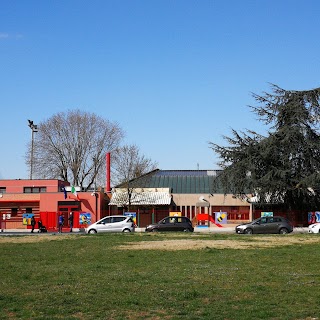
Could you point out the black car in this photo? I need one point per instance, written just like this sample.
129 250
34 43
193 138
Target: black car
266 225
171 224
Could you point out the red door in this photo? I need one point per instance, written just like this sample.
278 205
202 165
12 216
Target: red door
65 209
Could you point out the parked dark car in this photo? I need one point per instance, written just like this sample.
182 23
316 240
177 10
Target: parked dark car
171 224
266 225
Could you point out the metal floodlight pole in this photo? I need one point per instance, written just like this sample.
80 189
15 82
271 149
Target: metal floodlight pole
34 128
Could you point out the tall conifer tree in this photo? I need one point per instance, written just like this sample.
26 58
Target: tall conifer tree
283 166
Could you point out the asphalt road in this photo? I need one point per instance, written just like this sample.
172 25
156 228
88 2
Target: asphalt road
197 230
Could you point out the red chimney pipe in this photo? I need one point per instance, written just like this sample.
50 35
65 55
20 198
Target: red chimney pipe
108 172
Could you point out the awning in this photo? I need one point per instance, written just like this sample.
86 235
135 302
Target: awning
140 199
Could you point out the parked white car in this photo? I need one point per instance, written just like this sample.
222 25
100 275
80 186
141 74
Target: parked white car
314 228
112 224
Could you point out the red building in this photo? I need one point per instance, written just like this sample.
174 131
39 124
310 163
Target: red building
46 199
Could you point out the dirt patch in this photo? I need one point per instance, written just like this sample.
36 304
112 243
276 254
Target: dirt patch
195 244
34 238
243 242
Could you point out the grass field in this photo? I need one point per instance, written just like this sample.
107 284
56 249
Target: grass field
160 276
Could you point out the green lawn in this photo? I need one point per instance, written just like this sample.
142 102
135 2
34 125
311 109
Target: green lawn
89 277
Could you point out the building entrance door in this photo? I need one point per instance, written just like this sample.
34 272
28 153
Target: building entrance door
65 207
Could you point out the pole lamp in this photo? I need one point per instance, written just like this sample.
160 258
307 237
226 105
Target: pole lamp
34 128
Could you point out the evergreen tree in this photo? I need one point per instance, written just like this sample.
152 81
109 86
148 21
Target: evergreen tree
282 167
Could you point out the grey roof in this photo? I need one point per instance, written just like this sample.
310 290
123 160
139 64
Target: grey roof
179 181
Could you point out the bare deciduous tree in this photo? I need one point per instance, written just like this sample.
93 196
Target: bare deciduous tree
129 164
72 146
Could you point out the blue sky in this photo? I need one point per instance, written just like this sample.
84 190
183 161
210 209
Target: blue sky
175 74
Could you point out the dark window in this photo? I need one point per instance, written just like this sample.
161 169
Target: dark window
174 220
27 190
166 220
34 189
107 220
263 220
2 189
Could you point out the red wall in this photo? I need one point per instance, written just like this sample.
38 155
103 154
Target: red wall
16 186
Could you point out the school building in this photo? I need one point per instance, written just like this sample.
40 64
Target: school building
161 193
46 200
158 194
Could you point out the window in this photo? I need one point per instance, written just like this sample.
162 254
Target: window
34 189
106 220
3 189
173 220
263 220
166 220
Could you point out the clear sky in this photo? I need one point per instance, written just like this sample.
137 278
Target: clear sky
175 74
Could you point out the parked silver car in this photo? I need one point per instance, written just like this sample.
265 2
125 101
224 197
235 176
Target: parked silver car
266 225
112 224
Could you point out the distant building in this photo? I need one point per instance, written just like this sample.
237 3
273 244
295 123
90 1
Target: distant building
187 192
45 199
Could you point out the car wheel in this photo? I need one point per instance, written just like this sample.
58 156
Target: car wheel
186 230
283 231
92 231
155 230
248 231
126 230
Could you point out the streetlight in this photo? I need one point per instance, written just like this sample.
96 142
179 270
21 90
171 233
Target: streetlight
34 128
203 203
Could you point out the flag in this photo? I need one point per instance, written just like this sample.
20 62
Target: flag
64 192
74 192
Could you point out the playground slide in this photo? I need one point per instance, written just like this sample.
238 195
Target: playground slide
206 217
